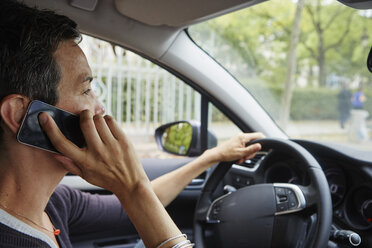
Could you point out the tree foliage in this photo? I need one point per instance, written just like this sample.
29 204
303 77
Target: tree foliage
260 36
254 45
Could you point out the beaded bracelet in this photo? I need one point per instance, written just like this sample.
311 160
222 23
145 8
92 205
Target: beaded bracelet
172 238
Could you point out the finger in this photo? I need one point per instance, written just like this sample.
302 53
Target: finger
68 164
102 129
59 141
252 136
245 158
249 152
241 161
250 156
252 149
114 127
89 130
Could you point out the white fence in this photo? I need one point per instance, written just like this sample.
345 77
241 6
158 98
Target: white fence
139 94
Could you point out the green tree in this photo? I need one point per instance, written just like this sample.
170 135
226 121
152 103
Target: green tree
259 47
325 33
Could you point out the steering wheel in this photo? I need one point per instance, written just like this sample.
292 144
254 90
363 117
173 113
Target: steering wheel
266 215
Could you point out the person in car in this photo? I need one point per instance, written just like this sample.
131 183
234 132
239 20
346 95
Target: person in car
40 59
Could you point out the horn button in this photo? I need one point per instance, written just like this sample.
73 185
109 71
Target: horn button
247 216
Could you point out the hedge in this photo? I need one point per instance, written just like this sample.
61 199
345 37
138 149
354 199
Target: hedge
307 103
320 104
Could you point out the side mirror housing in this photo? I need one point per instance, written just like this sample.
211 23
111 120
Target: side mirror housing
182 138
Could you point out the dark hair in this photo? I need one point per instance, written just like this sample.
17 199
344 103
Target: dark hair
28 39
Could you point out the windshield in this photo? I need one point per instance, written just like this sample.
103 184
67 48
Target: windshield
304 62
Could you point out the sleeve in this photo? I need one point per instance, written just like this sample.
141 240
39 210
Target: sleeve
89 213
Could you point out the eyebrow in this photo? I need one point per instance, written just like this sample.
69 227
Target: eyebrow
88 78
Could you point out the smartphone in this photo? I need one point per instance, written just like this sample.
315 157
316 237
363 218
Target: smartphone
30 133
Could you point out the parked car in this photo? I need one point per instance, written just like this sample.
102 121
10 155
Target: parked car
306 188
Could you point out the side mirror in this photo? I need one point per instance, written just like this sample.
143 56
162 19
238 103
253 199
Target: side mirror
182 138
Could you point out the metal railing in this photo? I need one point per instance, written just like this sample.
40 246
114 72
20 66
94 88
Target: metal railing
139 94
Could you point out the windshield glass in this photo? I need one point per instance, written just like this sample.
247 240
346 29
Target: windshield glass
304 61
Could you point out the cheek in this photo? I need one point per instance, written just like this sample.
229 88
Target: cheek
84 104
76 104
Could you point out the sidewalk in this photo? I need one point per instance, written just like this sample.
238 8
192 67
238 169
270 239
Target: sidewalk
329 131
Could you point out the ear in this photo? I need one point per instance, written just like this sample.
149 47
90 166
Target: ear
12 109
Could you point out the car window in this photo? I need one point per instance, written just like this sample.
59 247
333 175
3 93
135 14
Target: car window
307 70
142 96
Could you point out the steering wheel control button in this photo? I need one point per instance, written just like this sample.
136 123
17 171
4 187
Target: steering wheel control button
280 191
213 215
214 210
292 200
289 198
283 198
238 179
292 203
281 195
282 207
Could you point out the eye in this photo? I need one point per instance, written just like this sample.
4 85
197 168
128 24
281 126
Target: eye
87 91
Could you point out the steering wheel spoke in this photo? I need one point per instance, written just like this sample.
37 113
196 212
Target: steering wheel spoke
311 197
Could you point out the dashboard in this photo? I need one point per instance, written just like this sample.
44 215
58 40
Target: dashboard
348 172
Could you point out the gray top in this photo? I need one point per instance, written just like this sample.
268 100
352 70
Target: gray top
22 227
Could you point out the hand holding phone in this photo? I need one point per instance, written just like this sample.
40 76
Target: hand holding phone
30 133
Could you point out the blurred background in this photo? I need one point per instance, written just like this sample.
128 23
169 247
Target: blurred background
304 61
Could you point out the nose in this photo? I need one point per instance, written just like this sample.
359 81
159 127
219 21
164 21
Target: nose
99 108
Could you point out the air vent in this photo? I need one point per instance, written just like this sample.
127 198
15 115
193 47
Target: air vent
251 163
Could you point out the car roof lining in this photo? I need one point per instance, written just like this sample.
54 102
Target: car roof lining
106 20
106 23
179 13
